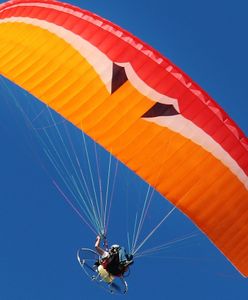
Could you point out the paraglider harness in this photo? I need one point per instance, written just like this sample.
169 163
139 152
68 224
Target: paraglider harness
108 271
117 261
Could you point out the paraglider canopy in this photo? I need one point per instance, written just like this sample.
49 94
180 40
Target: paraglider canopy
137 105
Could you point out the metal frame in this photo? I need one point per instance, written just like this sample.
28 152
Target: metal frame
87 264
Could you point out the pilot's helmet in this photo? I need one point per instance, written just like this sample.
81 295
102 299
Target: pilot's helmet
114 248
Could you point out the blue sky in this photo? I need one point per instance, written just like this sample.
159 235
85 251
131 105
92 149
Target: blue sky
40 233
